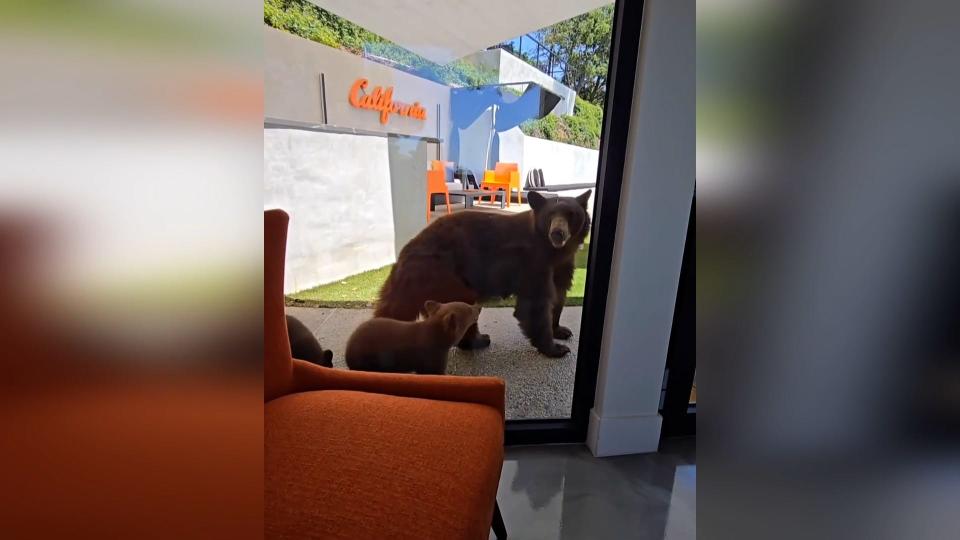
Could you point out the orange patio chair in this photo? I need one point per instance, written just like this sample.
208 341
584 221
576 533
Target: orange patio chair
505 176
437 184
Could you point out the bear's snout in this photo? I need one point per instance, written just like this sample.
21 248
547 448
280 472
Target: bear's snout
559 232
558 237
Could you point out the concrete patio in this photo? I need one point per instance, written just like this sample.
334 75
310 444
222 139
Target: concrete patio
537 386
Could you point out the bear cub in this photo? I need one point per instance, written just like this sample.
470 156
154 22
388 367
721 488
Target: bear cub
304 345
389 345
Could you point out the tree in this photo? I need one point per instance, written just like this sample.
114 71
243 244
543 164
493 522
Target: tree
583 45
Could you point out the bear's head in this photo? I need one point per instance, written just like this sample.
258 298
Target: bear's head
453 317
560 220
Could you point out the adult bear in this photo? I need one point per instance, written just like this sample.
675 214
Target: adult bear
473 256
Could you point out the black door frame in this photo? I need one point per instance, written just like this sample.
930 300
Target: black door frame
679 416
622 71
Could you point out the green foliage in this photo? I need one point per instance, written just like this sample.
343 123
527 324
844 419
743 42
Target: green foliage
457 73
302 18
581 129
583 45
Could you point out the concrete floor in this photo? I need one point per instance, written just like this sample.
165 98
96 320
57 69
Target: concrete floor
537 386
562 492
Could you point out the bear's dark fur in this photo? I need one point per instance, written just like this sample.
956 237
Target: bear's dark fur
474 255
304 345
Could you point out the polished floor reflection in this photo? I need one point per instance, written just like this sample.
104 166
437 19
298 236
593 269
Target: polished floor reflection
562 492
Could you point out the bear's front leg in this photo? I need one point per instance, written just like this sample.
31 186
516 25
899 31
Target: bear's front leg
536 321
562 279
560 331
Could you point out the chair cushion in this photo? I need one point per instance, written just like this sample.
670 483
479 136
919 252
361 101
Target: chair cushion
356 465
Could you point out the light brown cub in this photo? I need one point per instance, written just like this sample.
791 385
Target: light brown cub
382 344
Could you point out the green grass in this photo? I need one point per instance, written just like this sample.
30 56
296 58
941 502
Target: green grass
360 291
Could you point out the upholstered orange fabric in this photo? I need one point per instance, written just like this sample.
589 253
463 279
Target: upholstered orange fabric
277 367
357 465
357 455
487 391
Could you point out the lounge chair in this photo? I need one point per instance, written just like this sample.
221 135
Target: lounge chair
536 182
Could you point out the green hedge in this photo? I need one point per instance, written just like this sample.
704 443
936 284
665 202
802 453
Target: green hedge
580 129
301 18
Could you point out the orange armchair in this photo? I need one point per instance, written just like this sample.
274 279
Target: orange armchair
360 455
505 176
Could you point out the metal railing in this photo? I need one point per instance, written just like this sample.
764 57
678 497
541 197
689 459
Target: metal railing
536 54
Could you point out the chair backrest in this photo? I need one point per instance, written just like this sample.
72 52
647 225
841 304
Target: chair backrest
540 181
531 180
436 181
502 171
277 359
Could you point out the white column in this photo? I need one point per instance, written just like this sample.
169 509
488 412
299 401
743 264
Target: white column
658 183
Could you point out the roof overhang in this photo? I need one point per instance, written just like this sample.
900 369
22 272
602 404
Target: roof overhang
445 30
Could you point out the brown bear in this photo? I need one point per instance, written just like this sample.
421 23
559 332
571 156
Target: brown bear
422 347
304 345
472 256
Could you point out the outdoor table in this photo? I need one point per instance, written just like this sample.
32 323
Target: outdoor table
470 194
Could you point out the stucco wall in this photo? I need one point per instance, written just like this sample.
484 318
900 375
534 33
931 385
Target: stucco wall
292 67
512 69
474 141
561 163
354 200
337 190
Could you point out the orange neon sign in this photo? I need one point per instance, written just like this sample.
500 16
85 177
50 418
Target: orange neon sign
382 100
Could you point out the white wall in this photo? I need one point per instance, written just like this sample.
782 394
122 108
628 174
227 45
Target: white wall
474 141
292 67
658 185
511 69
337 191
512 150
561 163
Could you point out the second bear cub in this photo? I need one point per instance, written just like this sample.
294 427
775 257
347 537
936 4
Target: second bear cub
382 344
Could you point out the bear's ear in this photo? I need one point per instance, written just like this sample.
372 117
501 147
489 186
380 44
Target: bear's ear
431 307
536 200
584 198
328 358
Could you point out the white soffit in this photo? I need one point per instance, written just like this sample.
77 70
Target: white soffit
445 30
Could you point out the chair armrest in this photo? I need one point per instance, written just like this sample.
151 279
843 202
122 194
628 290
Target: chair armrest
482 390
515 179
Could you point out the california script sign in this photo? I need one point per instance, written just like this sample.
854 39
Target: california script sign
382 100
